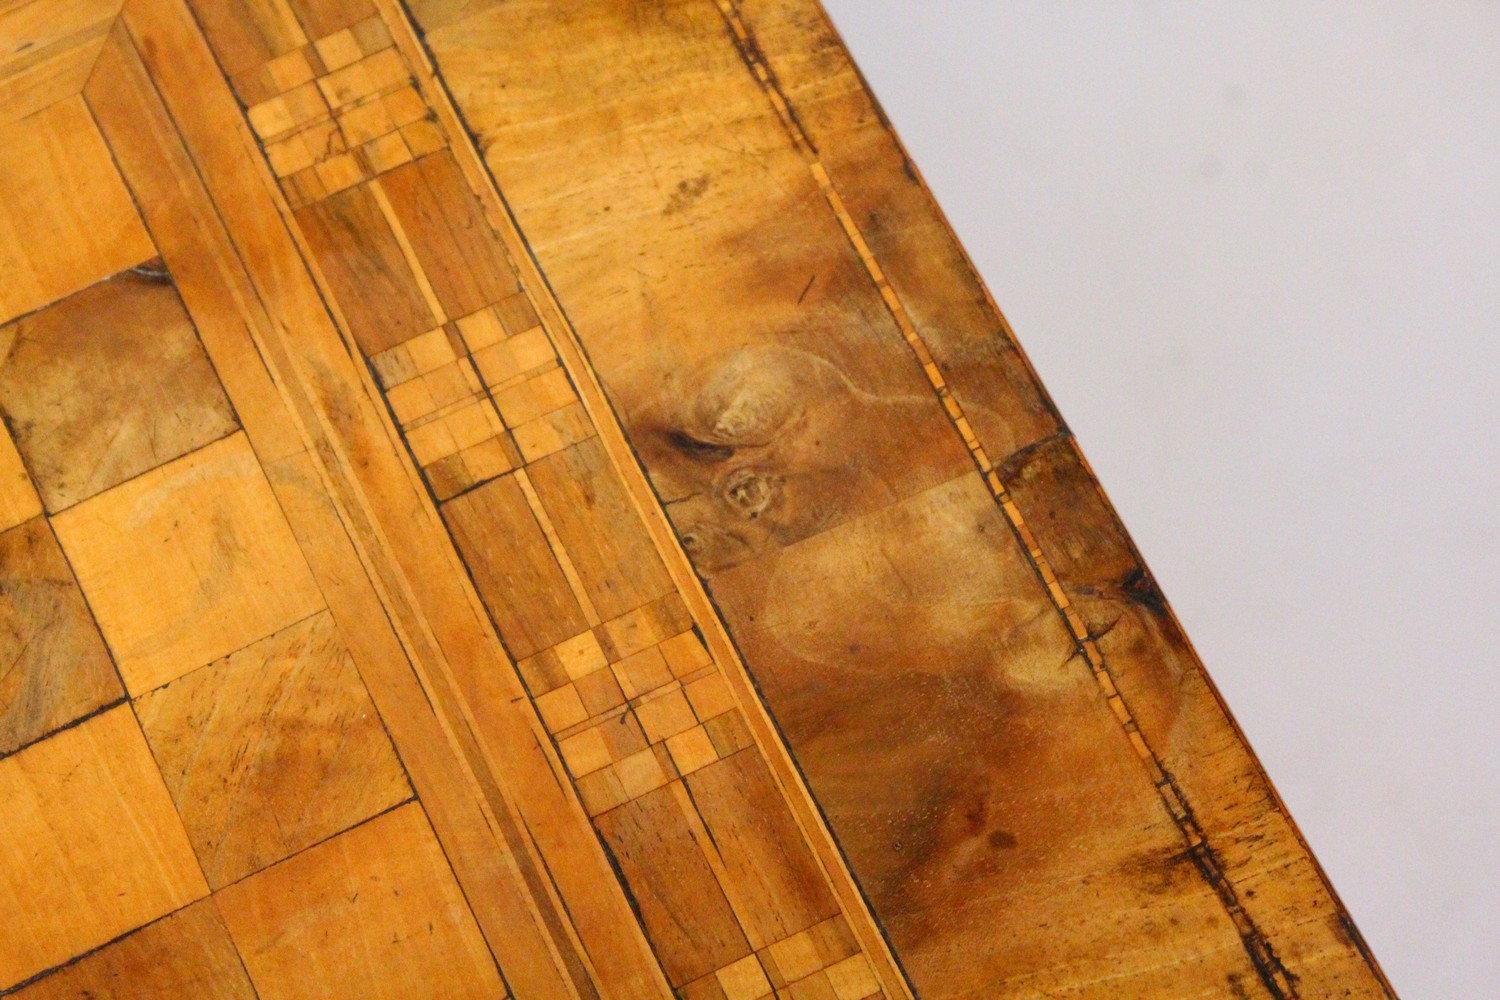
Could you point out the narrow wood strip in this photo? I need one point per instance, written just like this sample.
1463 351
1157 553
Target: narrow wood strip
219 295
282 279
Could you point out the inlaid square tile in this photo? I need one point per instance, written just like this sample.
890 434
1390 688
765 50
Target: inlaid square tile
373 913
561 708
107 384
385 152
586 752
599 692
338 49
92 846
423 137
57 669
642 772
642 672
814 987
744 980
685 653
60 191
853 979
187 563
372 35
601 791
271 749
710 696
692 750
665 715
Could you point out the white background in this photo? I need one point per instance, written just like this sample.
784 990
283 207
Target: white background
1252 249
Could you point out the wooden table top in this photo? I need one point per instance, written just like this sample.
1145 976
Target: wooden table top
529 498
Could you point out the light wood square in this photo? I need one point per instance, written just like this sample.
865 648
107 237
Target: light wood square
692 750
641 772
601 791
471 424
553 432
339 49
685 653
531 349
710 696
813 987
480 329
665 715
423 137
405 106
59 188
271 749
561 708
373 913
643 672
796 957
599 691
92 847
853 979
585 753
290 70
581 655
365 123
187 563
372 35
744 980
431 350
431 442
387 152
489 459
411 401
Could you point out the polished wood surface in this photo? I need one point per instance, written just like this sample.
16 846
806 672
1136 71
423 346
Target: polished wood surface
524 498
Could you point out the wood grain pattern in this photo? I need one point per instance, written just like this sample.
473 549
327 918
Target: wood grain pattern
185 954
392 526
92 846
187 563
830 493
58 186
359 253
657 573
374 912
57 669
47 48
557 551
209 256
107 384
271 749
445 225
